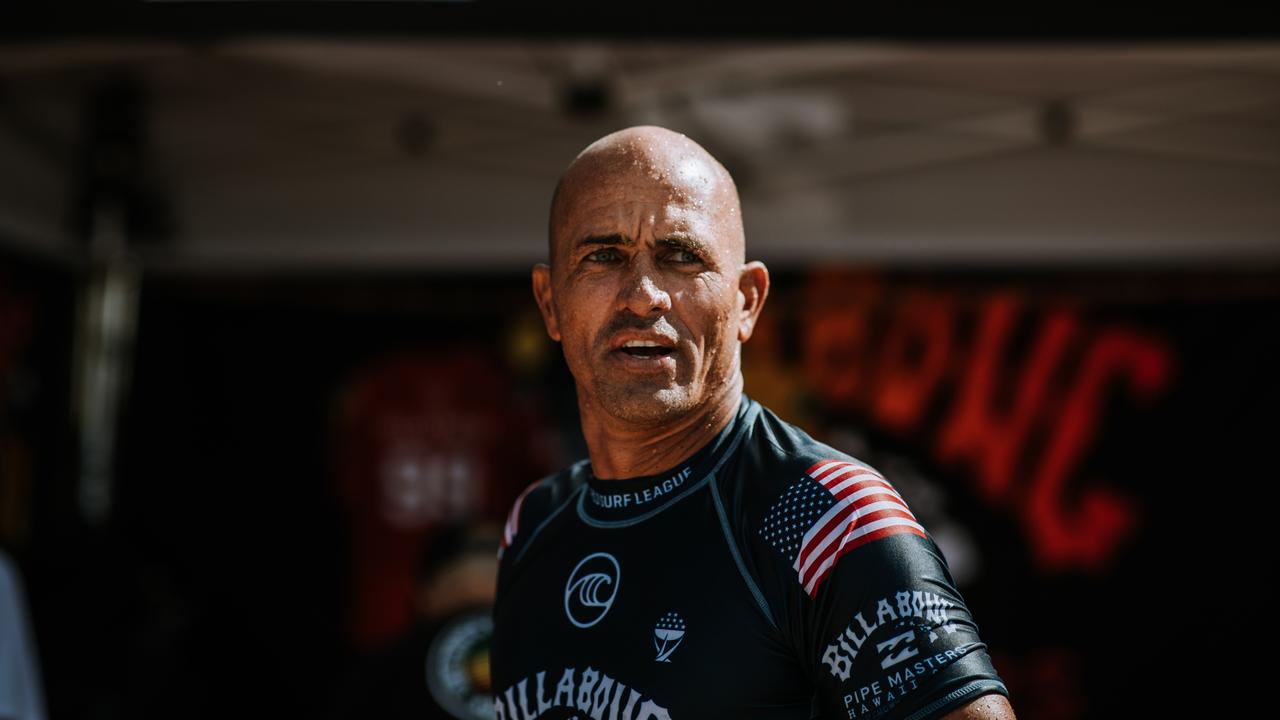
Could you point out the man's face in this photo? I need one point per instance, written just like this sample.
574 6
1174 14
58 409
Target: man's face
644 290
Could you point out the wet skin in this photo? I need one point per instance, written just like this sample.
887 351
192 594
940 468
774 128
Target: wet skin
649 296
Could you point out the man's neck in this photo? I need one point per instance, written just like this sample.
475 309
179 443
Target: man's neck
620 450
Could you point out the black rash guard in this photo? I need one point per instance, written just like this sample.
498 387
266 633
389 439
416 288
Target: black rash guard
767 576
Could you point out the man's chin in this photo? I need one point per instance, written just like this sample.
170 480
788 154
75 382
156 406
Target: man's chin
646 406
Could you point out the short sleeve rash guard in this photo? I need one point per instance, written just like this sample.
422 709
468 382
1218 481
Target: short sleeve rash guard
767 576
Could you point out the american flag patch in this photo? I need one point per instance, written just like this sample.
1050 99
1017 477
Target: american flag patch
837 507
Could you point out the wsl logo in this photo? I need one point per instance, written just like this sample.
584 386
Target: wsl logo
591 588
667 635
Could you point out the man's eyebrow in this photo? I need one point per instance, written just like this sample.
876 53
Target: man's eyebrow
614 239
680 241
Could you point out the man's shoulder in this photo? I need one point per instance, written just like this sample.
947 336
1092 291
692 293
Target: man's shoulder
777 454
539 502
784 477
803 504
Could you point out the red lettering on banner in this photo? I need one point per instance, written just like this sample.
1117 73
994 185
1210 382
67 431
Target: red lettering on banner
831 345
914 359
976 429
837 341
1020 420
1085 535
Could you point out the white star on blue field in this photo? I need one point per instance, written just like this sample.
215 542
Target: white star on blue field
793 514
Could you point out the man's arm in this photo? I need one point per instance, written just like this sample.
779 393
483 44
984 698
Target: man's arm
880 620
987 707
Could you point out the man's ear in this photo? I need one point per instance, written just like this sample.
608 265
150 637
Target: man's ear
546 305
753 284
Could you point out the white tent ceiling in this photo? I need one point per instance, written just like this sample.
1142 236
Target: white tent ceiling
328 154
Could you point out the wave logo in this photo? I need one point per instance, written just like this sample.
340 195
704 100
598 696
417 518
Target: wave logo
591 588
667 635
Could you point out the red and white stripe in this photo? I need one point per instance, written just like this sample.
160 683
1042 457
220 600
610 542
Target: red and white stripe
513 521
867 508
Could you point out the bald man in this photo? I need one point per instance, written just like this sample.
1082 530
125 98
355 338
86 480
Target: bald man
707 560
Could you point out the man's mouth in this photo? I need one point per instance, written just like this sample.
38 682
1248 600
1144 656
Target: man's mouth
645 349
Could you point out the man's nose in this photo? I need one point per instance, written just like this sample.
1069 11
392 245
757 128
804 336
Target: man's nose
643 295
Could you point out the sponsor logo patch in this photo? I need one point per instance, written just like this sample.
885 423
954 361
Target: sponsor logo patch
576 695
892 646
667 635
591 588
641 497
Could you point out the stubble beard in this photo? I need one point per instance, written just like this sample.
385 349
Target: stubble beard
655 402
645 403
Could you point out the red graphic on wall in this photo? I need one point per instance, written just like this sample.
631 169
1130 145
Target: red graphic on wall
424 438
1008 391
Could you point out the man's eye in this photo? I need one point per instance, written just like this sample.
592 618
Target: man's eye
607 255
684 257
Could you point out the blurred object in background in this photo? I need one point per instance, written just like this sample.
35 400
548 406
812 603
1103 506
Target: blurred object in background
18 391
423 438
277 155
439 668
36 312
21 693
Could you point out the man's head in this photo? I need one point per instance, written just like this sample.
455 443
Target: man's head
647 288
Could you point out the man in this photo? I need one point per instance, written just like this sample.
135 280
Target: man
708 560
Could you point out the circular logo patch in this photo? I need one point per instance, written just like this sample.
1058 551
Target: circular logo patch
591 588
